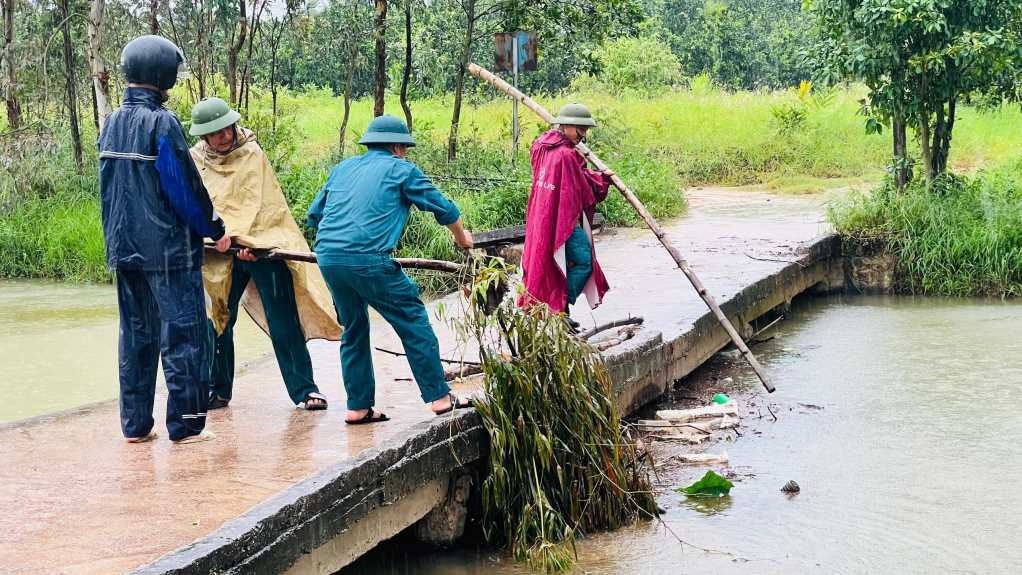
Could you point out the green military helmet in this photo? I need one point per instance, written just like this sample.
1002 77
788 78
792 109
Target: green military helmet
575 115
212 115
387 129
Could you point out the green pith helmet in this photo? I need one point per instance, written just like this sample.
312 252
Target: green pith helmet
387 129
212 115
575 115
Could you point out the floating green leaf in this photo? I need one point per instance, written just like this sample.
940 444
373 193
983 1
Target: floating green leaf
711 485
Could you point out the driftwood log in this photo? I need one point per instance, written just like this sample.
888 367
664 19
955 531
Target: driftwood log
636 204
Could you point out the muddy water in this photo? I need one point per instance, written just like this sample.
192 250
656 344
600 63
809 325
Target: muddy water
898 417
58 346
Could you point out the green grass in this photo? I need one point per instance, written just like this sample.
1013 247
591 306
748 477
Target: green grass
659 145
962 237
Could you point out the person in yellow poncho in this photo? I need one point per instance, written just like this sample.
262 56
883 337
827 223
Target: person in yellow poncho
288 300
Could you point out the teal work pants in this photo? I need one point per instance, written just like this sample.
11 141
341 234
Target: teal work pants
358 281
276 290
578 253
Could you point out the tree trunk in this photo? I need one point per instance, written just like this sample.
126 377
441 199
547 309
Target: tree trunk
100 75
942 138
902 176
925 149
466 55
408 64
381 57
11 83
348 86
234 50
71 92
154 12
275 34
246 75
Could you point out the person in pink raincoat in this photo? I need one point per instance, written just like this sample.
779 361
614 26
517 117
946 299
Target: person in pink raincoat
559 261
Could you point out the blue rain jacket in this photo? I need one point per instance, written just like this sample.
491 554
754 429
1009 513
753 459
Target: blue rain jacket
155 209
363 207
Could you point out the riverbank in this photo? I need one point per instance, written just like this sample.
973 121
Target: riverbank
961 237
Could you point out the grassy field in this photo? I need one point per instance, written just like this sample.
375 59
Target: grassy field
49 215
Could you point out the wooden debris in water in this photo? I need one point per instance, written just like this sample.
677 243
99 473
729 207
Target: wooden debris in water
682 415
702 458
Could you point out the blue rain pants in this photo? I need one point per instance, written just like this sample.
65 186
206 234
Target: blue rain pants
163 315
358 281
578 253
277 292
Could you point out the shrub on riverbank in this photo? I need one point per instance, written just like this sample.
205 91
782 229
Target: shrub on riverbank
961 237
560 466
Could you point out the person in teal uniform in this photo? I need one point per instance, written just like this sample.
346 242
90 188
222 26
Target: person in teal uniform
359 216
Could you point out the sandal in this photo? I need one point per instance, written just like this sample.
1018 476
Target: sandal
370 417
456 403
217 402
320 402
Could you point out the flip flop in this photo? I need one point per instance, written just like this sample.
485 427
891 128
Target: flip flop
368 418
456 403
314 406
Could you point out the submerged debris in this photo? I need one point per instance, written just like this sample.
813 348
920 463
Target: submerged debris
791 487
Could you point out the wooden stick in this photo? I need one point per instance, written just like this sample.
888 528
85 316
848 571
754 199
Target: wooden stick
611 325
309 257
442 360
651 223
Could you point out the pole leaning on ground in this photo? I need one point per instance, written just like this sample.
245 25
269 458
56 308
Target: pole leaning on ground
632 199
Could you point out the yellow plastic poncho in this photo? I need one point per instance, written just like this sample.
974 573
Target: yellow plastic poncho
246 194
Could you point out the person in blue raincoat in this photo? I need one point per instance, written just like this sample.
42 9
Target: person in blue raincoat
359 217
156 213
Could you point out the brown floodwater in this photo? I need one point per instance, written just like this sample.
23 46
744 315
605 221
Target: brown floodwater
58 346
899 418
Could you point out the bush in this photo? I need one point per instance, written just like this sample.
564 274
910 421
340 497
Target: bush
962 236
645 65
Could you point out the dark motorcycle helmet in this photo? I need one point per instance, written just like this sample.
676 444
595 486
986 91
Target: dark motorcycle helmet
153 60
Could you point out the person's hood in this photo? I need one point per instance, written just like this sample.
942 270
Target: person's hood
245 136
553 138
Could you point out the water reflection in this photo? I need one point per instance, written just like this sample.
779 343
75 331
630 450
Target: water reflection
706 505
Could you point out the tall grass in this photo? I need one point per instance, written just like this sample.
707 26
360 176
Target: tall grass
49 213
659 144
559 465
961 237
705 135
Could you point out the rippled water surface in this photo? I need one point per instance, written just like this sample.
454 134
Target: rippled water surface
900 419
58 346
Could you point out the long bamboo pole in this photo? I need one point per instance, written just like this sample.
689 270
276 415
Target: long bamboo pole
632 199
411 263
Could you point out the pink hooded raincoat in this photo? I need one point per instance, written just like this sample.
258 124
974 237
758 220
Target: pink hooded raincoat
563 191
